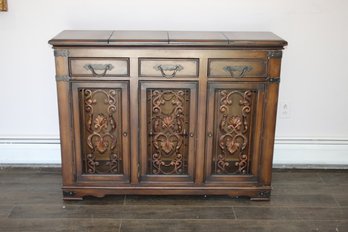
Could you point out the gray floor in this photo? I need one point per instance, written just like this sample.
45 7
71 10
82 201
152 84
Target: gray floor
30 200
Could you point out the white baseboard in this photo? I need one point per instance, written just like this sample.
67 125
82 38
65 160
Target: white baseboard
30 151
311 153
288 153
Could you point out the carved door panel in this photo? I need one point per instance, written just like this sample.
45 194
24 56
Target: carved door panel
167 131
234 125
101 131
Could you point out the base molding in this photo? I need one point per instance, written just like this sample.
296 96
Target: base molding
302 153
254 193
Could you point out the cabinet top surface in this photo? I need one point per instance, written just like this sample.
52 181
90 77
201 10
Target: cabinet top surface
167 38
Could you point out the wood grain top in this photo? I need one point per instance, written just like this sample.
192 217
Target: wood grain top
248 38
73 37
197 37
139 37
168 38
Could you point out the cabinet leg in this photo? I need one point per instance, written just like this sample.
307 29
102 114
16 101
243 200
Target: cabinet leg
233 196
264 195
71 195
261 196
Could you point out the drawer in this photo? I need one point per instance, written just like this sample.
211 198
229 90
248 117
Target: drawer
99 67
172 67
237 68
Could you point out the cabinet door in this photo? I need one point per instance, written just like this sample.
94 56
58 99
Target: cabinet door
234 127
167 131
101 131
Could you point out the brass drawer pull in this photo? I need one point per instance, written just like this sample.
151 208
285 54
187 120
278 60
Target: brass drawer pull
241 69
166 68
94 67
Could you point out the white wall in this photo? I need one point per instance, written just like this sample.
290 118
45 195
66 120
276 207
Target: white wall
314 80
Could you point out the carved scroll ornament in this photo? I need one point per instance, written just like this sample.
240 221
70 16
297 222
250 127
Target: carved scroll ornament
168 131
232 156
102 150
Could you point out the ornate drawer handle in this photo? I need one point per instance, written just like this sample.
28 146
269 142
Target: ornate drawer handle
164 68
241 69
94 67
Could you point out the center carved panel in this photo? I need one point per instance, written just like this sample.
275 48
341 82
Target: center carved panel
167 126
101 128
232 127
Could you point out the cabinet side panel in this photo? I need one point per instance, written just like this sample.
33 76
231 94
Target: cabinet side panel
268 134
269 118
65 119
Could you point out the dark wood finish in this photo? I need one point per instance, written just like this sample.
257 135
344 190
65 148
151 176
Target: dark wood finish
233 137
101 131
134 122
165 38
167 134
159 113
65 120
302 201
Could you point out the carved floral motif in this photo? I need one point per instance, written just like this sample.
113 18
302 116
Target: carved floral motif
234 110
167 130
100 112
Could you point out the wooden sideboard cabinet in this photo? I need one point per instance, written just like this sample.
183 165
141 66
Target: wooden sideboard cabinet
157 112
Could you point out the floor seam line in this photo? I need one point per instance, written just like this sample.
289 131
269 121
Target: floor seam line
120 226
234 213
10 211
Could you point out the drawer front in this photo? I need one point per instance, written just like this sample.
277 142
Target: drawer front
99 67
168 68
237 68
